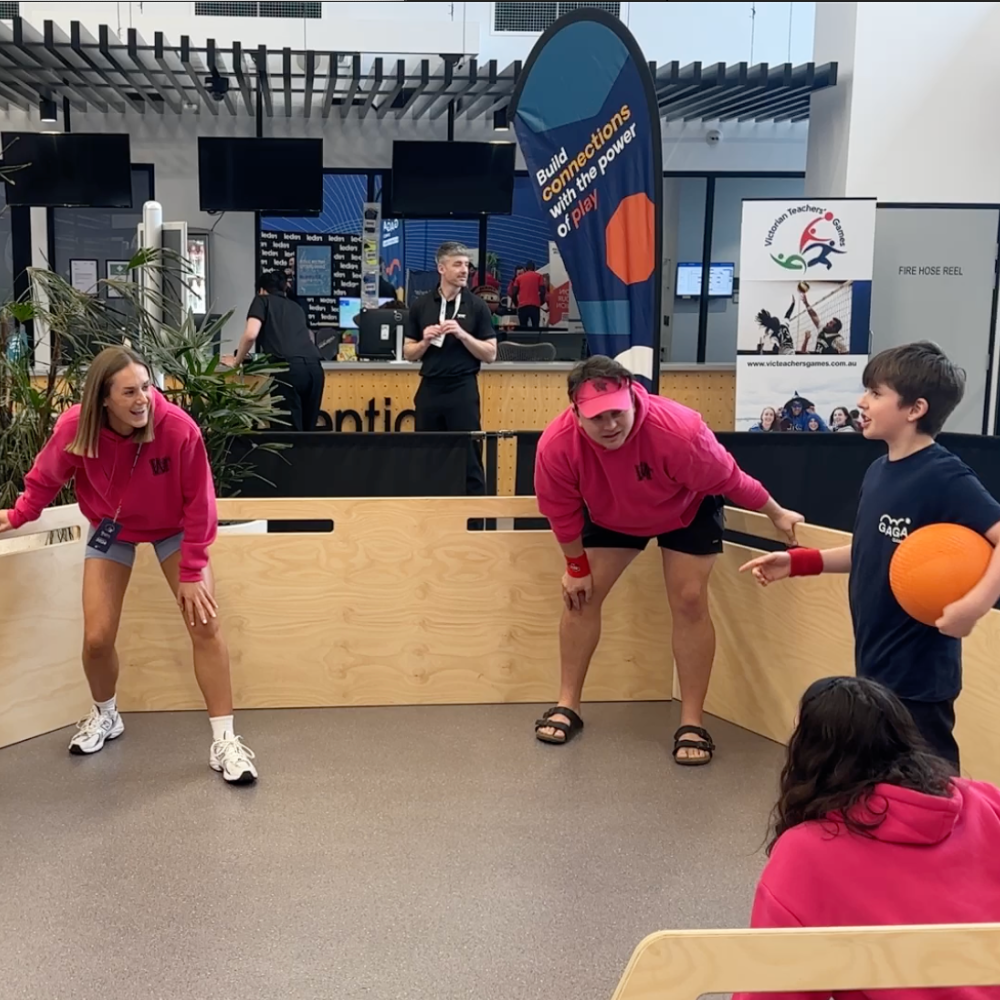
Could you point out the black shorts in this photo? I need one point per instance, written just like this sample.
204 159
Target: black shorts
702 537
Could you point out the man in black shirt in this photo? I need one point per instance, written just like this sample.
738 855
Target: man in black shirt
451 331
278 327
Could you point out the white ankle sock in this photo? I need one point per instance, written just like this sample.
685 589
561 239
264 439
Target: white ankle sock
107 707
222 728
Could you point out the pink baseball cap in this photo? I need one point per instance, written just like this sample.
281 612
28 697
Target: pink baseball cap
601 395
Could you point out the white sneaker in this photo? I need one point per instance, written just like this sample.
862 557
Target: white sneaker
95 731
234 760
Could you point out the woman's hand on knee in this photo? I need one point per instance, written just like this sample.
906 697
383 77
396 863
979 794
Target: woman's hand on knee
197 603
577 591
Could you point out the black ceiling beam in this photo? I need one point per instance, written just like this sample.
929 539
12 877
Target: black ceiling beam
241 78
375 89
213 58
160 55
389 97
286 80
331 84
195 76
418 92
464 87
144 101
55 41
348 106
310 82
135 44
263 82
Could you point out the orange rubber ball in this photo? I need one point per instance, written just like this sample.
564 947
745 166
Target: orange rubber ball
936 566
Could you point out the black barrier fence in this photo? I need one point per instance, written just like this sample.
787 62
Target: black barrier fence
819 475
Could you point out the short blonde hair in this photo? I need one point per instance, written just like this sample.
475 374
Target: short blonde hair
96 388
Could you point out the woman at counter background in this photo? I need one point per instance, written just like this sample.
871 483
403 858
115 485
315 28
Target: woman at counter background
278 327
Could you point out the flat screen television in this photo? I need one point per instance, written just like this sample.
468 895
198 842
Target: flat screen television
435 180
721 279
277 176
67 169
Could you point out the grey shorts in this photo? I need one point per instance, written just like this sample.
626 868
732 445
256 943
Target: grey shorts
124 552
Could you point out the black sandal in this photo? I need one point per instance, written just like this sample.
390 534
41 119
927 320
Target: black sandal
703 743
569 730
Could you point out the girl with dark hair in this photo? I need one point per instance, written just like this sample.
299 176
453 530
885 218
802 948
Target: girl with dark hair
872 829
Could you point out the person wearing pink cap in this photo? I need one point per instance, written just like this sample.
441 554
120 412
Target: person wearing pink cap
614 470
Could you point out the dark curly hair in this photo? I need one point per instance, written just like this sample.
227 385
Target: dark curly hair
852 735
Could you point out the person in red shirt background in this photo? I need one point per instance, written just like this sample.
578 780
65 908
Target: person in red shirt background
616 469
528 291
872 830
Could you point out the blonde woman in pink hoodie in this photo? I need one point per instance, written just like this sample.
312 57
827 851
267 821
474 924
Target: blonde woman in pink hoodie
141 474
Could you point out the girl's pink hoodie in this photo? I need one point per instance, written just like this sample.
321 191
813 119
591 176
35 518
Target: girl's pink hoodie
170 491
931 861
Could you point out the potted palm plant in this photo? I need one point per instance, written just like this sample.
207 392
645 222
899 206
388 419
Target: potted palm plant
76 326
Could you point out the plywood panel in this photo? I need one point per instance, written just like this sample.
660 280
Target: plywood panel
512 400
42 686
522 401
711 392
774 642
679 965
399 605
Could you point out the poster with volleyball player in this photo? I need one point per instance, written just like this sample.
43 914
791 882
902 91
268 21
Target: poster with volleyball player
822 318
804 319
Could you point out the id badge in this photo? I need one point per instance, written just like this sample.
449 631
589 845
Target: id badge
104 535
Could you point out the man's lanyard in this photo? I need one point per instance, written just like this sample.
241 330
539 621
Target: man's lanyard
444 307
439 341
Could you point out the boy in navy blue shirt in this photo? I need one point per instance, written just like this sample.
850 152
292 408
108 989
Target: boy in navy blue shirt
910 392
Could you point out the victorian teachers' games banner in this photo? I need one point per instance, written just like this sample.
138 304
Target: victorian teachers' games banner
586 118
804 323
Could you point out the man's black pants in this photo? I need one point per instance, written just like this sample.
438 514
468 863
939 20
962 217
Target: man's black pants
452 404
300 393
529 317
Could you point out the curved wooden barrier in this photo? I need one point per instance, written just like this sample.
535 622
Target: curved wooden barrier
401 604
684 965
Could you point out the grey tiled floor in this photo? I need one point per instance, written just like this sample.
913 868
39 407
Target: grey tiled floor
386 854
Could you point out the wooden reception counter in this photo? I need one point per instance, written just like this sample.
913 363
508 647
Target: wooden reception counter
514 396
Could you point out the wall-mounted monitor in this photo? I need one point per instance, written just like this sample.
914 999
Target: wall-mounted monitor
350 309
435 180
721 278
67 169
276 176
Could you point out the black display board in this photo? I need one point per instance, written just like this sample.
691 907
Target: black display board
277 249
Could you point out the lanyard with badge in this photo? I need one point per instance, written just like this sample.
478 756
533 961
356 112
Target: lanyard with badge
109 528
439 341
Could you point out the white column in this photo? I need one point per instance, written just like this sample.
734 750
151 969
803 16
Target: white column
911 117
40 259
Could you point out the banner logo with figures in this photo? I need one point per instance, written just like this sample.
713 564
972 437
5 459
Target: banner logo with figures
804 323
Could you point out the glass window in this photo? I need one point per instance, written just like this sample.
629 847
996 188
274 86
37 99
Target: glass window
683 246
729 194
6 250
100 234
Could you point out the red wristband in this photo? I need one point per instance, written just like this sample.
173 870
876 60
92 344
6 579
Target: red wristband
578 566
805 562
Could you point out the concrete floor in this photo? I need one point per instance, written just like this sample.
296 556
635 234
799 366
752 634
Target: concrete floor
386 854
